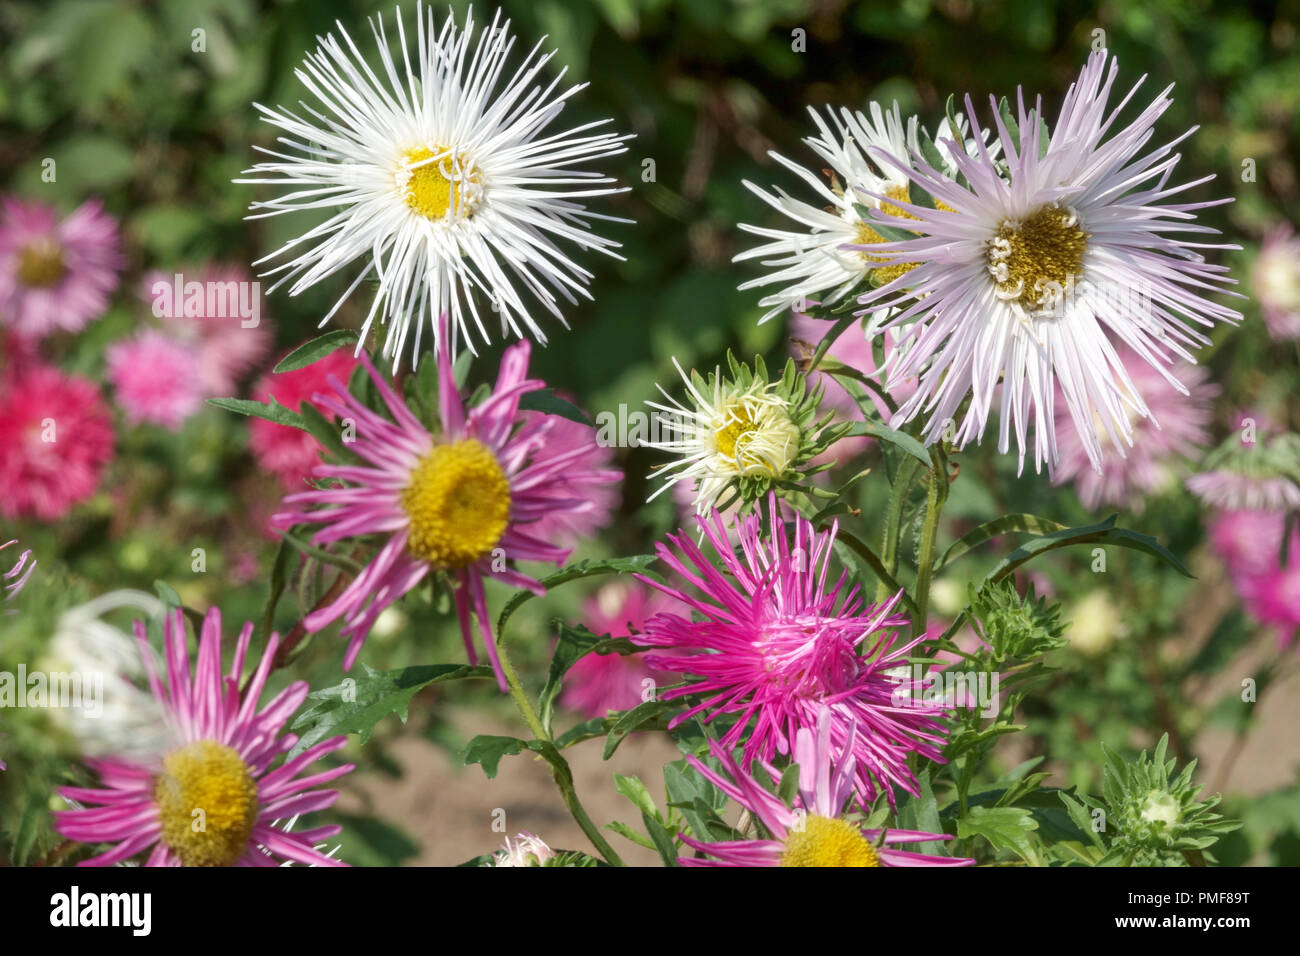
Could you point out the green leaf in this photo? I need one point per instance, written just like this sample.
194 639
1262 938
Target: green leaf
1007 524
581 569
636 791
272 412
662 840
369 842
1005 828
316 349
1104 532
573 643
863 550
279 580
546 400
167 594
355 706
881 433
625 831
632 720
488 749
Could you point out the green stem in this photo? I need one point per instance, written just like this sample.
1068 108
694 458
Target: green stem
559 766
893 522
935 496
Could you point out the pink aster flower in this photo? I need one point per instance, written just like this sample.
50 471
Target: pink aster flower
219 765
589 480
1266 580
464 502
1276 279
157 378
813 832
291 453
599 683
57 437
1026 282
776 643
55 275
218 309
1176 428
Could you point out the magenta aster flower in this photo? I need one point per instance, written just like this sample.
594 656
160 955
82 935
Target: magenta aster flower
775 644
814 832
156 377
1176 428
55 275
1268 583
1027 282
218 769
291 453
599 683
57 437
1276 279
217 309
464 503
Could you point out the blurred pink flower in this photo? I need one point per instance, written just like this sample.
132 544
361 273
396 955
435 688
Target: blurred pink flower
290 453
219 309
57 437
1250 543
589 489
599 683
1176 428
156 378
55 275
1276 278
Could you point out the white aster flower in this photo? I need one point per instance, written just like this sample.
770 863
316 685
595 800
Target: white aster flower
1032 280
441 180
729 430
810 263
524 850
128 720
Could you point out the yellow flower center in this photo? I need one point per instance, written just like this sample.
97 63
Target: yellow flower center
40 264
207 804
458 501
1034 260
866 236
825 842
445 183
756 438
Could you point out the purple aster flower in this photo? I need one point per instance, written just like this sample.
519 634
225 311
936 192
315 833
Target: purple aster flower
1030 280
775 644
813 832
55 275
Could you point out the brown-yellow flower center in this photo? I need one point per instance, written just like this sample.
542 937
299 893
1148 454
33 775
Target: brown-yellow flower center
40 264
207 804
445 184
1034 260
821 841
867 236
458 501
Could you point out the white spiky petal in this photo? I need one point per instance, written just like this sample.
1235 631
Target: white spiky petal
494 246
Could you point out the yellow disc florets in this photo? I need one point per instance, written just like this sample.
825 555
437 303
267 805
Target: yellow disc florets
1034 260
207 804
755 436
40 264
866 236
458 500
820 841
439 183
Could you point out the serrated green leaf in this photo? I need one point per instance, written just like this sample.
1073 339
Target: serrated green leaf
355 708
581 569
272 411
637 717
1005 828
